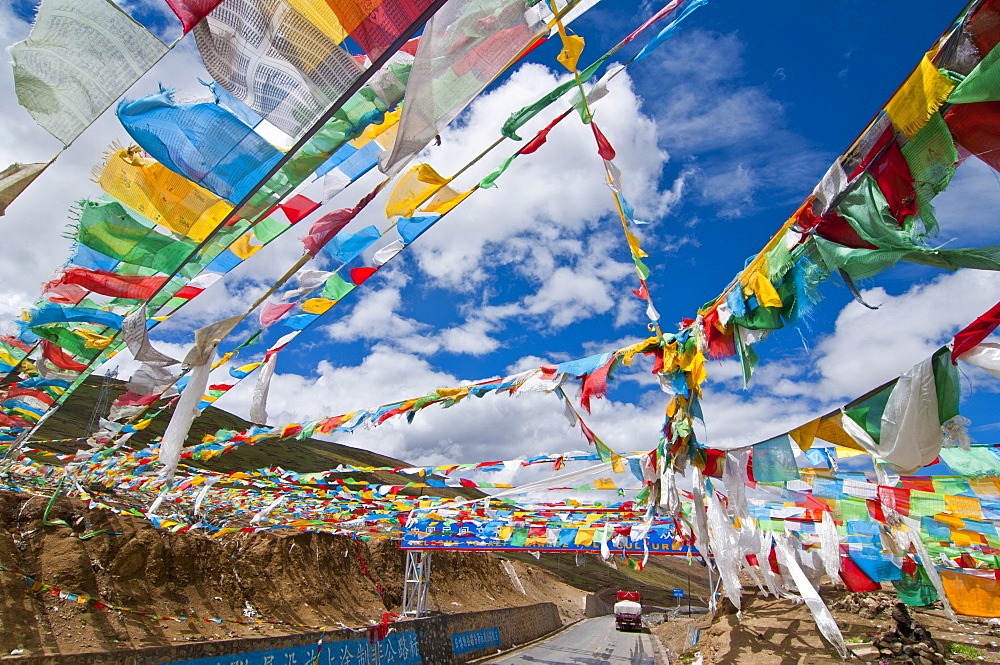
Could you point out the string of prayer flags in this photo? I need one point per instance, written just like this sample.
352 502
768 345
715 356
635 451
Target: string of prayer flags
80 57
521 117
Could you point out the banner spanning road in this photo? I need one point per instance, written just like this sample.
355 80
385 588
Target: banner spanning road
490 537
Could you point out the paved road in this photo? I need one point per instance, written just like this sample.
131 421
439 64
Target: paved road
590 642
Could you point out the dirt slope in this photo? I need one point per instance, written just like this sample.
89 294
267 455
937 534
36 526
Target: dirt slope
290 576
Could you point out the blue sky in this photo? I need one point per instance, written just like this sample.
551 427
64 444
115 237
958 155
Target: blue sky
720 134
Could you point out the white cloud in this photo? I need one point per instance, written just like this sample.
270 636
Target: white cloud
968 209
548 199
733 132
870 347
865 349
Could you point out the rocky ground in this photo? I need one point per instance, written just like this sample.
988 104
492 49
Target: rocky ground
777 631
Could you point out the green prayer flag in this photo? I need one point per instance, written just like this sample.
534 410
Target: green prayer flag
978 461
490 180
931 156
336 288
917 590
949 389
519 118
106 227
982 84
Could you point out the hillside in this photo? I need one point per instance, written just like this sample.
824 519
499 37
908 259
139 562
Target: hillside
286 576
303 456
315 579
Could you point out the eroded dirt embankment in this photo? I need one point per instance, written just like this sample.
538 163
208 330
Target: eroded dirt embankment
297 577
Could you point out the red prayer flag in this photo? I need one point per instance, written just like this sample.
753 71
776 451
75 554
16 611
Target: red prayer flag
833 227
975 332
385 24
604 148
191 11
854 578
359 275
138 287
298 207
653 19
327 226
58 357
976 127
540 138
892 174
595 384
271 312
984 26
715 462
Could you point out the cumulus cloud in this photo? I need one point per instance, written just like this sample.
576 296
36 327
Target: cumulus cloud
547 199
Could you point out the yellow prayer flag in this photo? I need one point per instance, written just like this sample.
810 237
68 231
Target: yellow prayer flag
242 247
584 537
223 360
633 244
94 340
571 50
321 16
249 367
166 198
604 484
759 285
964 506
457 393
415 186
831 430
805 434
670 358
318 305
387 139
963 538
920 96
629 352
446 199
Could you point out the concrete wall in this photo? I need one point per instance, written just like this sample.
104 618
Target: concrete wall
433 638
593 606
